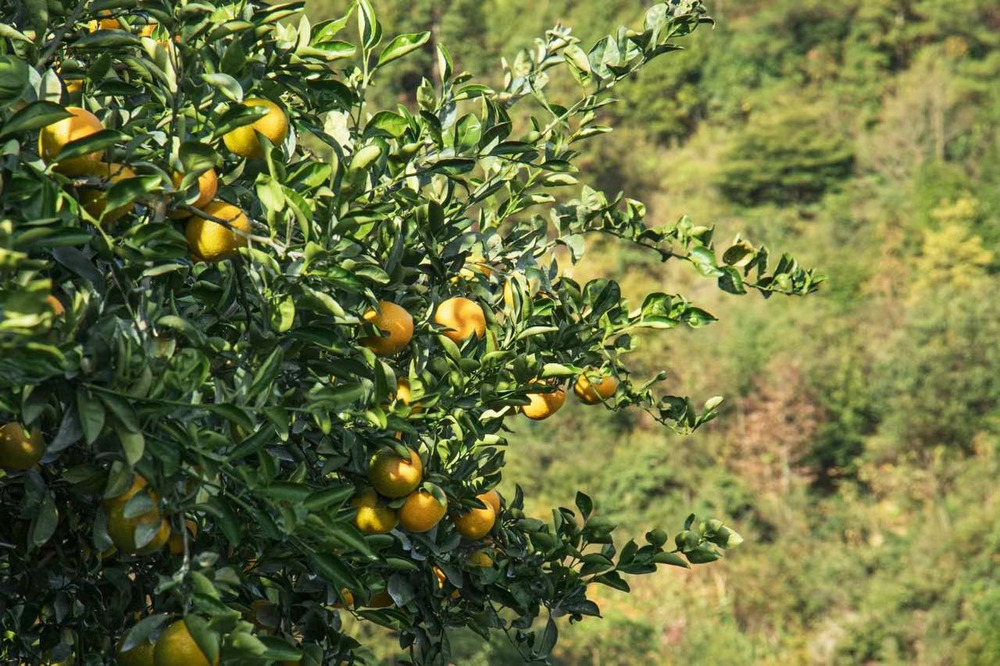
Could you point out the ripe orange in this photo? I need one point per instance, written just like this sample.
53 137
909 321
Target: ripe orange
139 655
491 497
441 579
20 450
392 475
158 540
393 320
122 529
56 305
372 518
243 141
348 599
590 393
105 23
421 512
403 391
176 647
480 558
544 405
52 138
208 185
461 319
94 200
210 241
176 541
476 523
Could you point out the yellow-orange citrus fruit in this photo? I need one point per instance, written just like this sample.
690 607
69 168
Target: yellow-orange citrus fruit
20 450
372 518
474 264
476 523
390 319
543 405
508 294
122 529
442 579
149 30
52 138
243 141
590 393
139 655
480 558
176 541
348 599
208 186
158 541
461 319
394 476
94 200
176 647
421 512
104 23
210 241
491 497
403 390
56 305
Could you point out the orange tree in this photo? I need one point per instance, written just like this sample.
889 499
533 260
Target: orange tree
261 345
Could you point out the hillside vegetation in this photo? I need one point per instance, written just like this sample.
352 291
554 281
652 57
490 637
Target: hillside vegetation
859 459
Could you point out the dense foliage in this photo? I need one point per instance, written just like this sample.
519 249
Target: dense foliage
857 450
200 259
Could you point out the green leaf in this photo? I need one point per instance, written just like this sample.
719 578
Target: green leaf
91 414
14 79
34 116
133 444
368 25
391 123
144 631
229 86
226 518
673 559
129 190
277 649
585 504
267 372
231 413
333 570
402 45
331 497
205 638
94 143
121 409
548 639
43 523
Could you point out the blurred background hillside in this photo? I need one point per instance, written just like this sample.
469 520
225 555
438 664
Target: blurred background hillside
858 448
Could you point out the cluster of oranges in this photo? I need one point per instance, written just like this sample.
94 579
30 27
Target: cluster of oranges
211 222
461 318
396 499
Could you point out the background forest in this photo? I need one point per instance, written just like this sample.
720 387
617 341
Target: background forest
858 447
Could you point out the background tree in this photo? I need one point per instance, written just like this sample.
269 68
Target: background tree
257 374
